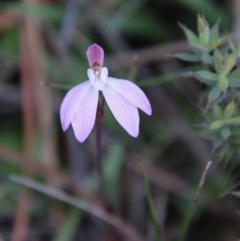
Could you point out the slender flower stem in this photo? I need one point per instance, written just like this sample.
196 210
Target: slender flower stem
99 118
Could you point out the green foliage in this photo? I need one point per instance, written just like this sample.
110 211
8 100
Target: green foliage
9 42
70 225
222 78
203 43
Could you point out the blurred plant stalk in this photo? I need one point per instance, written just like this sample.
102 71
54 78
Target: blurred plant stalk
37 115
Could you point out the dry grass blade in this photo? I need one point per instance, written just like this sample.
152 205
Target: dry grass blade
90 208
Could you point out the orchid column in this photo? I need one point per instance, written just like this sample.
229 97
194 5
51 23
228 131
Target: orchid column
123 97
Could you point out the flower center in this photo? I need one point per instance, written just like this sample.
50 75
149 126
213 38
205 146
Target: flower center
97 76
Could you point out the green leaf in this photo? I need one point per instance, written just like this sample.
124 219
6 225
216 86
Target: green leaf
153 218
201 79
214 94
217 124
230 61
233 121
234 82
203 30
230 109
214 40
235 73
207 75
231 45
188 57
207 58
214 32
70 225
222 82
191 36
217 111
213 43
218 59
225 132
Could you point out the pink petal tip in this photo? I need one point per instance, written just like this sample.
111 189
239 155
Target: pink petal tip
95 55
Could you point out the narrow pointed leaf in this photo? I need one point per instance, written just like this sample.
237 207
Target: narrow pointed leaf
214 43
225 132
70 225
223 82
214 33
218 59
188 57
233 121
217 124
234 82
214 94
191 36
229 109
203 80
207 75
230 62
203 30
207 58
235 73
218 112
152 211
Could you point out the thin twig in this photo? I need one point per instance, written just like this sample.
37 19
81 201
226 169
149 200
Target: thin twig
202 180
38 167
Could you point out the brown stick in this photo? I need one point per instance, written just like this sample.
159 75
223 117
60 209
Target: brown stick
20 228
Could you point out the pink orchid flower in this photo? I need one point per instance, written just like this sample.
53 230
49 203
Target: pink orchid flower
122 96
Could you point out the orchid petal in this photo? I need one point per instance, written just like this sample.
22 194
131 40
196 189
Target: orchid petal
131 93
95 55
71 103
84 119
124 112
104 74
